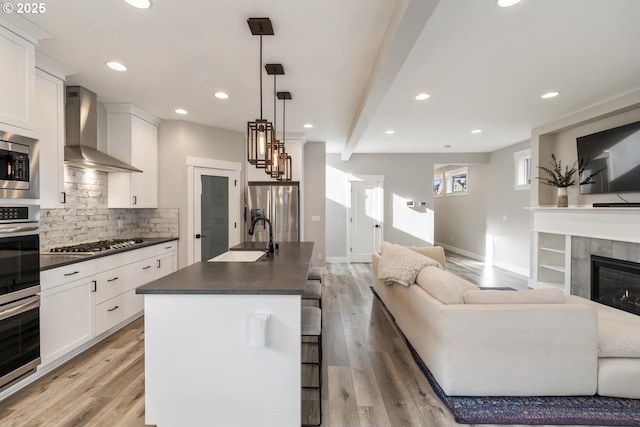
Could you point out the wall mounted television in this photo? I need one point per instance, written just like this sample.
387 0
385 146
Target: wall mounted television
617 152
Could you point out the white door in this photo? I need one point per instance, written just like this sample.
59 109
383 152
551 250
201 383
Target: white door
215 220
366 219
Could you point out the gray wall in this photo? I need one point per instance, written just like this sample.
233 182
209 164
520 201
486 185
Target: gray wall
406 177
460 220
508 222
314 204
178 139
491 222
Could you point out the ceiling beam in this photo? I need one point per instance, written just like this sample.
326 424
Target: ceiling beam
407 23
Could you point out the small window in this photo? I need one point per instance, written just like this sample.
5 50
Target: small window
523 169
438 185
456 181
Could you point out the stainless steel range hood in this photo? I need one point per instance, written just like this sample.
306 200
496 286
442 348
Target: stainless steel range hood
81 147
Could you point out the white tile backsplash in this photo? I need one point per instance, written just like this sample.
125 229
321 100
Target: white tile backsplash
85 217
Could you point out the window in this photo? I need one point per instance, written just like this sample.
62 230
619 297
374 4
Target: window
523 169
456 181
438 185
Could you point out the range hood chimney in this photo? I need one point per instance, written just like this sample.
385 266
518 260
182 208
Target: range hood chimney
81 147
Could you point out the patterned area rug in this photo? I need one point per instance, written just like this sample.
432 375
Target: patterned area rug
550 410
573 410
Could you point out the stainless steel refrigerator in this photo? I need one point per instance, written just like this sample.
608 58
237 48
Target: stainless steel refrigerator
279 202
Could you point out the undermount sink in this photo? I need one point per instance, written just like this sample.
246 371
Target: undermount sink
238 256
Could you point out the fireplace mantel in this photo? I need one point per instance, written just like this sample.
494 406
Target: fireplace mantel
554 229
621 224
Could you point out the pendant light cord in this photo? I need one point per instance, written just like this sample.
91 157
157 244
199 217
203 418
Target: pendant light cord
260 68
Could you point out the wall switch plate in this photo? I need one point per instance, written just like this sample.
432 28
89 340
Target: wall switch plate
315 218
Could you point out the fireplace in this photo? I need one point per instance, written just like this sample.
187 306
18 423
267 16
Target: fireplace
616 283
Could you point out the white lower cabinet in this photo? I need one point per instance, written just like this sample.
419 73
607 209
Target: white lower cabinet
84 300
65 309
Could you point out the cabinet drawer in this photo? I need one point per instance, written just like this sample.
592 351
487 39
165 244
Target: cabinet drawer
120 280
124 258
116 310
166 247
61 275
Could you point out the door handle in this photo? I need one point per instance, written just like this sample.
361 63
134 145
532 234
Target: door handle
377 226
200 235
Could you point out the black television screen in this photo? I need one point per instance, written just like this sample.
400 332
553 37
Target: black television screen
616 152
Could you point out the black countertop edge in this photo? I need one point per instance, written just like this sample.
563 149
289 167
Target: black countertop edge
52 260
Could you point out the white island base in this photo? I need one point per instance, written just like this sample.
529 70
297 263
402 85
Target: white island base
201 369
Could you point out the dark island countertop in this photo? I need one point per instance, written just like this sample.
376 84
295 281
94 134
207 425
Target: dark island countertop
283 273
49 260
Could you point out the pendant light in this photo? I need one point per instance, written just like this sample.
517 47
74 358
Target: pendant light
277 149
260 133
284 159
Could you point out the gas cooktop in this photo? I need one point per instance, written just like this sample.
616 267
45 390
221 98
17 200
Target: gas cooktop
99 246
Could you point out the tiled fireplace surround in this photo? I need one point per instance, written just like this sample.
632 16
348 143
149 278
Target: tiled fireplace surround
581 250
607 232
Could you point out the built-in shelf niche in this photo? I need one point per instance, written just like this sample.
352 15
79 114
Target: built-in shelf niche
554 260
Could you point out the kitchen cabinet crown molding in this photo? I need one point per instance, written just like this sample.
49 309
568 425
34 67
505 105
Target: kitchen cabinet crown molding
53 67
125 108
24 28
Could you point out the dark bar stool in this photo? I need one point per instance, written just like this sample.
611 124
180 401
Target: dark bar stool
311 326
313 292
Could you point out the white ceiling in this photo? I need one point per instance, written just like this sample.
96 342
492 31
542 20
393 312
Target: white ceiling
354 67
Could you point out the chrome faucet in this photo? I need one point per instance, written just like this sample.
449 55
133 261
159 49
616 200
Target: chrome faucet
252 229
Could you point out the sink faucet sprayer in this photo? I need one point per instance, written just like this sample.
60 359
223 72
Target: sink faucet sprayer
251 230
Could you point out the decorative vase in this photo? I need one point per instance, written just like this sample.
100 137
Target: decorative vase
563 198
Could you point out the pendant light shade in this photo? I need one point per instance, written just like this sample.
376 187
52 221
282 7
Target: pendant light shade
260 132
273 169
284 159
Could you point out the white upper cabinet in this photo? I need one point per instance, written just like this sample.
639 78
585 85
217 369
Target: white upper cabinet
17 112
133 138
49 104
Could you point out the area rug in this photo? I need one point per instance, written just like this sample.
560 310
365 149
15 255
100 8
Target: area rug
549 410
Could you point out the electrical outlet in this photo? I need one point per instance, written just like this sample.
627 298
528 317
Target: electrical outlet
451 238
319 256
504 217
120 226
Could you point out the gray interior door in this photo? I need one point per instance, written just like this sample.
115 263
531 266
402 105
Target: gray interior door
214 216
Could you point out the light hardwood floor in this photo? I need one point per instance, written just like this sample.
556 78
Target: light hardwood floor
370 377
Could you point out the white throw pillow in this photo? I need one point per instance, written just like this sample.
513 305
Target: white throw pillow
399 264
533 296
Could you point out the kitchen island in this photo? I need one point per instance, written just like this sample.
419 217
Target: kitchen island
204 365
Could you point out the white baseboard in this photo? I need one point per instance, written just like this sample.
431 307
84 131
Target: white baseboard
336 260
496 263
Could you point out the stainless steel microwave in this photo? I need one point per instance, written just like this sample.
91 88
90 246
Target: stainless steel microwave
18 167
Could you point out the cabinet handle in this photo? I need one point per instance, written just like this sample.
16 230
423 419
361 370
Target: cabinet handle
64 196
114 308
95 286
112 280
135 200
146 268
158 265
167 247
71 274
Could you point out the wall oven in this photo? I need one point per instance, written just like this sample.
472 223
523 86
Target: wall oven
19 293
18 167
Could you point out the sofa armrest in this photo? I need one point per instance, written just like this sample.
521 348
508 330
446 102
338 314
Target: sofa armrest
507 349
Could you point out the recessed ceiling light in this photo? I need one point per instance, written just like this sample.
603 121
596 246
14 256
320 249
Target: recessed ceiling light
550 95
116 66
476 131
422 96
308 125
221 95
507 3
390 132
181 111
139 4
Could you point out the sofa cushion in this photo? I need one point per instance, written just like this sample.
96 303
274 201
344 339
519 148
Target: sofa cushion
533 296
617 330
399 264
441 284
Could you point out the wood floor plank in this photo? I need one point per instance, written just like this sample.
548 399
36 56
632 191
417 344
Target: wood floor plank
343 410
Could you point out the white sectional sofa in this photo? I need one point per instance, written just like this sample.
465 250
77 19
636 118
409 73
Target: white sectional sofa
503 343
